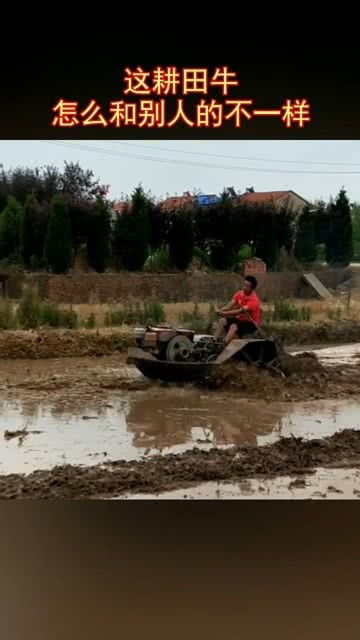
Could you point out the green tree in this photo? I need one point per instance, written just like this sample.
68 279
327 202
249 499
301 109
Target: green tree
33 230
58 249
98 236
355 217
10 230
131 235
265 227
305 244
181 238
339 244
220 232
158 226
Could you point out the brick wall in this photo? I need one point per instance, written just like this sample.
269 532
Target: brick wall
175 287
254 267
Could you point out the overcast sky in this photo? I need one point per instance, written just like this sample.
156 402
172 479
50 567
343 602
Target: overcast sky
314 169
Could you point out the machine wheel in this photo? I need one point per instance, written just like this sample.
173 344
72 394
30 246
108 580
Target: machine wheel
179 349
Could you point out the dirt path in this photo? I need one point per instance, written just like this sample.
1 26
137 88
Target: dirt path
288 457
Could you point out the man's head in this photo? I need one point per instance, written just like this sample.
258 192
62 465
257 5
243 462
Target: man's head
250 284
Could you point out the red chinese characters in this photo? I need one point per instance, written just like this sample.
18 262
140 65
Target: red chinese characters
225 79
166 81
137 81
297 112
209 114
66 114
92 115
151 100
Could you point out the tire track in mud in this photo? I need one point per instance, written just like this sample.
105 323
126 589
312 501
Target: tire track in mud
288 456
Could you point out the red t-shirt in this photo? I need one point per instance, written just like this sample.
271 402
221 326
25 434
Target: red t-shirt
252 302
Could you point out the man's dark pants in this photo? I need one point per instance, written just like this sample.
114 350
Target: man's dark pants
243 328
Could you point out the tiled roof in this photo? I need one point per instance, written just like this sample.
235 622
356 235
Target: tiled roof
263 196
173 202
119 207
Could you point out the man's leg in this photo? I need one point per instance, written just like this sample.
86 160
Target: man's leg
231 333
220 328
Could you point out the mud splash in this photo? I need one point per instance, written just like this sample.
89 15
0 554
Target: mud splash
306 379
288 457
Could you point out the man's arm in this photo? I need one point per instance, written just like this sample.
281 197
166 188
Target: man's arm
231 313
228 307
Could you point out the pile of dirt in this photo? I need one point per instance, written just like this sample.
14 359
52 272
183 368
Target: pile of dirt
288 456
324 332
306 379
299 364
57 343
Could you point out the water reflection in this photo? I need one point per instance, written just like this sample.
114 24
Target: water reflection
117 425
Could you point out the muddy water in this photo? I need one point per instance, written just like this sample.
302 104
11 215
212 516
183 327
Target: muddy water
130 425
75 411
345 354
330 484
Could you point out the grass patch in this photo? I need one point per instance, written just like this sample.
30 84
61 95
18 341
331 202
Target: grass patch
151 312
287 311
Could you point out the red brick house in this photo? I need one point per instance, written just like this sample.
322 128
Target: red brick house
176 202
119 207
279 198
253 267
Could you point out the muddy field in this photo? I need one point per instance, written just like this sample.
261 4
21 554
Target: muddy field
289 456
94 427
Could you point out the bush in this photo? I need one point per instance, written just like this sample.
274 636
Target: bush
114 318
7 315
335 313
154 312
151 312
69 319
29 309
51 315
244 253
159 260
286 311
33 313
194 320
90 322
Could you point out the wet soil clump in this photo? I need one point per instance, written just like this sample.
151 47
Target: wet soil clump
288 456
305 378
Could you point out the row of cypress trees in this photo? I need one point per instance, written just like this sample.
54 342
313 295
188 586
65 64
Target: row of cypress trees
329 225
36 240
37 237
